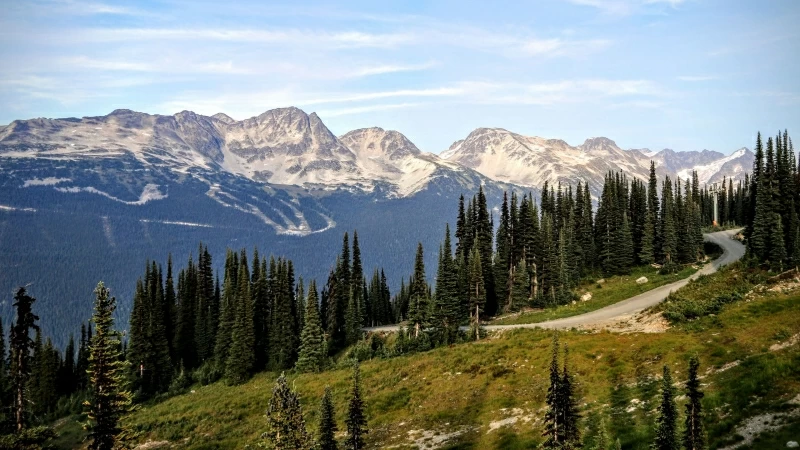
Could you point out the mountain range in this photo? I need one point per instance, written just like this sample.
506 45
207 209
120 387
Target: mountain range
83 199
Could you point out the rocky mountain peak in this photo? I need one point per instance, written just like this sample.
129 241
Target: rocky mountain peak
224 118
598 143
376 142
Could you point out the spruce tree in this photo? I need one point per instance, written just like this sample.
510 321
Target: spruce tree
228 308
21 346
108 401
446 305
326 436
356 420
418 308
569 408
667 421
669 237
647 255
312 340
693 434
777 253
286 428
553 418
476 289
241 356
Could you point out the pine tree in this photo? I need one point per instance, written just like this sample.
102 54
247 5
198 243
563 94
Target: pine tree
476 292
356 420
668 231
286 428
356 287
777 253
693 433
569 408
418 309
520 288
502 260
228 307
446 306
108 400
553 418
326 436
666 423
647 254
312 346
21 346
241 356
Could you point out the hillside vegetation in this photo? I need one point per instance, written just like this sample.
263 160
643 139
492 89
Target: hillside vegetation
490 394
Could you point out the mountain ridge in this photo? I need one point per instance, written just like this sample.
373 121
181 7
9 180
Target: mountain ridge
287 146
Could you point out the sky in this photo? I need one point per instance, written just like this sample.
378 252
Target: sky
680 74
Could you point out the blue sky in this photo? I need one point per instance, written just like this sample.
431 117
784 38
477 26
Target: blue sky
683 74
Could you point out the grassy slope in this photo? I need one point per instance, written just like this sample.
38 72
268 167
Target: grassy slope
615 289
469 386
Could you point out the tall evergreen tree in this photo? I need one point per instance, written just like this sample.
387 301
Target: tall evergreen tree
312 345
667 421
326 436
241 357
693 434
569 408
476 289
286 428
108 400
447 304
21 347
553 418
356 419
419 307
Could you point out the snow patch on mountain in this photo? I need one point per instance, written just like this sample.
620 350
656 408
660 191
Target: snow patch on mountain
707 171
48 181
11 208
149 193
171 222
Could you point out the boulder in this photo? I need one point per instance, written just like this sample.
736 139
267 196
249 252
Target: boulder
586 297
641 280
601 281
792 444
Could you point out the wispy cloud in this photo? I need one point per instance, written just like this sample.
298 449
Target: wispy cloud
563 47
179 66
694 78
625 7
391 68
88 8
466 92
365 109
319 38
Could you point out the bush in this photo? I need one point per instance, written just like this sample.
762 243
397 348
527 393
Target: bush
680 309
28 439
669 268
207 373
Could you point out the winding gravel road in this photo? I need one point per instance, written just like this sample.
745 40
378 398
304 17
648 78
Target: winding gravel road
733 250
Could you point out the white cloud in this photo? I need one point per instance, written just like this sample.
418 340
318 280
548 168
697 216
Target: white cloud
390 68
562 47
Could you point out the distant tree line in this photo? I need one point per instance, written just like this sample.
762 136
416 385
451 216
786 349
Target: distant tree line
540 252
